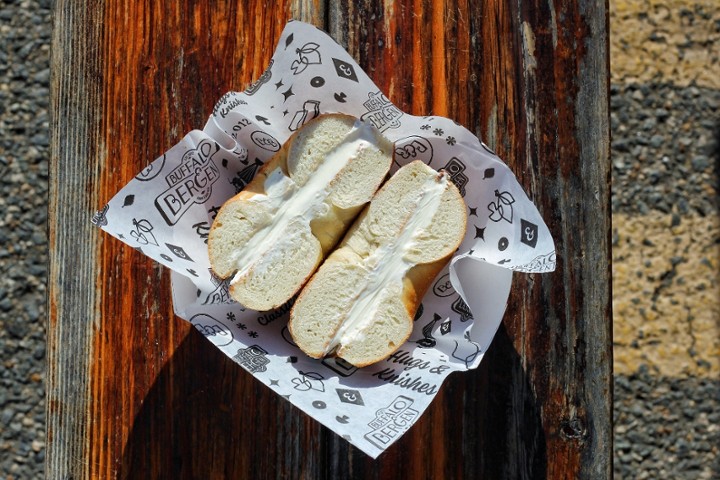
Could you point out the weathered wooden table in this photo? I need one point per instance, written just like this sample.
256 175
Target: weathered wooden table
134 392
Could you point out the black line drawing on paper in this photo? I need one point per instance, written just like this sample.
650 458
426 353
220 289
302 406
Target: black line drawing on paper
319 404
503 244
344 69
317 82
392 421
289 40
287 94
213 329
443 286
502 209
264 78
221 294
450 140
414 147
179 252
348 395
166 257
253 359
310 110
189 183
446 327
340 97
455 168
143 232
419 312
428 341
244 176
541 263
480 232
100 217
285 334
262 119
460 307
344 419
152 170
528 233
129 200
308 55
265 141
469 358
309 381
202 230
488 173
473 211
338 365
381 112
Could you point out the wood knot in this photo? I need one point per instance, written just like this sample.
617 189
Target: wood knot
573 429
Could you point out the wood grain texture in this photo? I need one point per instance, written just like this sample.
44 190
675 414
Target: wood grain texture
134 392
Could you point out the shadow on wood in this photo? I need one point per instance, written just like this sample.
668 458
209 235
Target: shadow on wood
191 425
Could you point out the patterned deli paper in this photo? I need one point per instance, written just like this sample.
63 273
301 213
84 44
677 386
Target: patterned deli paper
166 212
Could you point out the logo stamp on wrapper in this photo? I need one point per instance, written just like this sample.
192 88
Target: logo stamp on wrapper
391 422
189 183
253 359
380 112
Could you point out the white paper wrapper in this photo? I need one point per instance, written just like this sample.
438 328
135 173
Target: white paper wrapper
167 210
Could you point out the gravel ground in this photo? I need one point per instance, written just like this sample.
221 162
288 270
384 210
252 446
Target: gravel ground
665 149
666 427
665 157
24 83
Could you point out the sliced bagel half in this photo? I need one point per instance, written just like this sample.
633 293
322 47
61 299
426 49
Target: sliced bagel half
360 304
272 236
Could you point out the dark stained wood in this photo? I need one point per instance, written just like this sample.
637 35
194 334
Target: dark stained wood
134 392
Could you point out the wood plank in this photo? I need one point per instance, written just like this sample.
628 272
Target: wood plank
128 81
531 79
135 393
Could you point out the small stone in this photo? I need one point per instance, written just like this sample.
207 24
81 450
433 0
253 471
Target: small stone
16 327
662 114
5 304
700 162
657 141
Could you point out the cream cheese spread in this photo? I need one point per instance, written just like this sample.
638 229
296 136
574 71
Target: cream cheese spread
293 205
388 264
